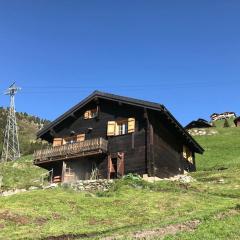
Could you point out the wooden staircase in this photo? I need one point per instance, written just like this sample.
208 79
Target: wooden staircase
57 179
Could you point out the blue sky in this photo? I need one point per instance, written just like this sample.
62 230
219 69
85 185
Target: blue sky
183 54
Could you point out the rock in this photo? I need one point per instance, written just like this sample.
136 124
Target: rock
12 192
53 185
221 180
90 185
33 188
201 132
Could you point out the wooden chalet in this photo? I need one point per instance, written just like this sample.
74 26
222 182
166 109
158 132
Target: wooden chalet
220 116
200 123
107 136
237 121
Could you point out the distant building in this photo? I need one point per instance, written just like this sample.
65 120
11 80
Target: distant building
200 123
237 122
220 116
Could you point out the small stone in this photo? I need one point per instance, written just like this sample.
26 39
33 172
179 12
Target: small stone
221 180
33 188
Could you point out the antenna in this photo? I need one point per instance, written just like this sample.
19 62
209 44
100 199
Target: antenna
11 149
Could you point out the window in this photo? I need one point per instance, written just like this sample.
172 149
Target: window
116 128
69 140
80 137
91 113
74 139
122 128
69 171
57 142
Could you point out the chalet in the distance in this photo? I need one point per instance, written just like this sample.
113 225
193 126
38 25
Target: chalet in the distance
108 136
220 116
200 123
237 121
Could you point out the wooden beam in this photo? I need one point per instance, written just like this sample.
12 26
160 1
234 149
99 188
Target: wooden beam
149 145
63 170
73 115
52 132
96 100
120 103
145 114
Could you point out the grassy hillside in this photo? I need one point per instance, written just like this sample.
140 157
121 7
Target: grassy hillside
206 209
28 126
20 174
221 150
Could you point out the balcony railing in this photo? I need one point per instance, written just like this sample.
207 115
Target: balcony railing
73 150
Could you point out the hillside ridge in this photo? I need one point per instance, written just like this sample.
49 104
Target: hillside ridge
28 125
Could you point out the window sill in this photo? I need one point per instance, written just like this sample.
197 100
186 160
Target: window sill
121 135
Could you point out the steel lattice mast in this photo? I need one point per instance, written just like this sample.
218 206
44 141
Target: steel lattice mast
11 149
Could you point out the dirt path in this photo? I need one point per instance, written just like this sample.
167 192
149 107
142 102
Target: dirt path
159 232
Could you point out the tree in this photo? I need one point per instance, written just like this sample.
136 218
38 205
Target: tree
226 123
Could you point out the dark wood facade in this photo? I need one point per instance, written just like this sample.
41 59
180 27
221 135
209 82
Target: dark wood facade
155 147
237 122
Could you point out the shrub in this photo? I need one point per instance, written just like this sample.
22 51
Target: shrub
226 123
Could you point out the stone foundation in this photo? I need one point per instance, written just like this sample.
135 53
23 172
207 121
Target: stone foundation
90 185
202 132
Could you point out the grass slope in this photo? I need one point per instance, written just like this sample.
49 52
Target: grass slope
135 205
221 150
20 174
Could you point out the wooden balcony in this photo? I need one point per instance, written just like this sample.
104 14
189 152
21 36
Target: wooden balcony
74 150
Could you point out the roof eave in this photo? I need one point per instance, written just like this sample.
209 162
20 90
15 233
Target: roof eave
106 96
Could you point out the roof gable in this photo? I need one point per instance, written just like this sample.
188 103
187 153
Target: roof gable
126 100
200 123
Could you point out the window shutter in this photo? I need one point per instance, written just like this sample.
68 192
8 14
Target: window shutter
116 129
90 114
80 137
57 142
190 158
86 115
131 125
111 128
184 151
187 154
110 167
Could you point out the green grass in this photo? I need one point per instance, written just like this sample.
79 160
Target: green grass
212 229
126 209
20 174
222 150
130 205
220 123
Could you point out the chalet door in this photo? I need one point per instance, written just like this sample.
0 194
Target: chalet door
68 174
115 165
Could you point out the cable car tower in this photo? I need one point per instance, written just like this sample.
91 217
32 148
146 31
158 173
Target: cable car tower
11 149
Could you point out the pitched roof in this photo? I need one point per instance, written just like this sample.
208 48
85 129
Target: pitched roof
126 100
200 123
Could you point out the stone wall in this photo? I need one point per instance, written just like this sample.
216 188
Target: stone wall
90 185
202 132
